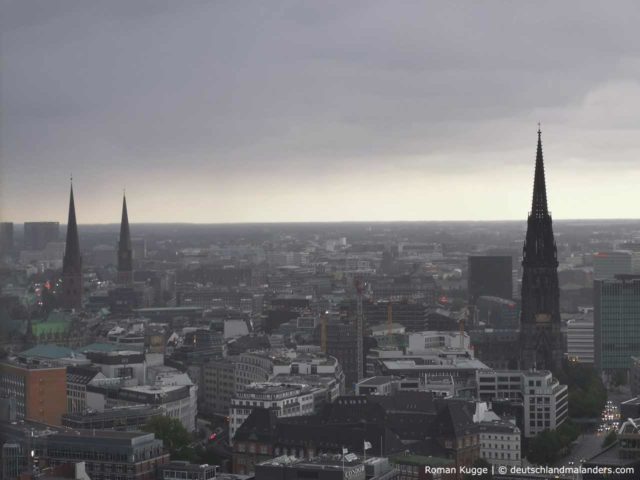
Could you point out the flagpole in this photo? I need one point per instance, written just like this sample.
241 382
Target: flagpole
364 445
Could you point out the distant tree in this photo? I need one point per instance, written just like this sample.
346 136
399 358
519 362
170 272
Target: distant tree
587 394
174 436
544 449
567 433
619 378
610 439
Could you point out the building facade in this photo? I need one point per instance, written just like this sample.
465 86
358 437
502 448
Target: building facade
38 234
544 400
285 400
616 326
500 443
40 390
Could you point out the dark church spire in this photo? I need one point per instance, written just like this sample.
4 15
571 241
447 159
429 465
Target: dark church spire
72 261
539 203
72 246
541 339
125 254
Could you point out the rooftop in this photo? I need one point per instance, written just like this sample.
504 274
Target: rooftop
322 461
421 460
273 388
379 380
50 351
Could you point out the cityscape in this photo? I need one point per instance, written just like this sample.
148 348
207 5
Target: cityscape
188 337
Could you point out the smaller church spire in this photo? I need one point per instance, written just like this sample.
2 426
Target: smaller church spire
125 253
125 235
72 245
72 261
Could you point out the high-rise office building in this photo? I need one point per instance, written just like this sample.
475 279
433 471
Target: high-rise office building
616 325
342 344
490 276
540 335
606 265
38 234
72 262
580 342
6 238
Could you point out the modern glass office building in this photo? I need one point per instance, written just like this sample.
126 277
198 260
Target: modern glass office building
617 322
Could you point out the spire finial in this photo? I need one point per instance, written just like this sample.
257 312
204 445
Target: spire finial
539 131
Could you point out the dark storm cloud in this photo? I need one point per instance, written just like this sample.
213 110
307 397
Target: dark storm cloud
136 88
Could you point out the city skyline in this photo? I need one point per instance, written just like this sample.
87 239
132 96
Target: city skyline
210 114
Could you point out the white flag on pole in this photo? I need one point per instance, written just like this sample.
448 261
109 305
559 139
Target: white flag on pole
345 451
367 445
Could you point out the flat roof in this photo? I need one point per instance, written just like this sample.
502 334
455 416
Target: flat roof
378 380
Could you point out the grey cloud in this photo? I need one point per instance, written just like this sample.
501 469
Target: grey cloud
273 86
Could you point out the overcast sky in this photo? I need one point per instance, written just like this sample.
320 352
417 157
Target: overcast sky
237 111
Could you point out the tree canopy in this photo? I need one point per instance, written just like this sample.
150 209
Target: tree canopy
587 393
175 437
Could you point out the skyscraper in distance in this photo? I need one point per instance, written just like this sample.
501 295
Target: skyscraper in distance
490 275
6 238
72 262
125 251
38 234
540 334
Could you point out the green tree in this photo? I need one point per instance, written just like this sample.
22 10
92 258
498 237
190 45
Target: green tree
174 436
567 432
587 394
544 449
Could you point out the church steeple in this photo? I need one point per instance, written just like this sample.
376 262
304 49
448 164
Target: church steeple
539 203
72 261
541 338
540 246
125 254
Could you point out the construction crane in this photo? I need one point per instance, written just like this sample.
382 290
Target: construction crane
323 332
359 329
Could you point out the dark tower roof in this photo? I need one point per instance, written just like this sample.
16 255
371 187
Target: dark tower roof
125 262
72 260
125 235
539 247
539 203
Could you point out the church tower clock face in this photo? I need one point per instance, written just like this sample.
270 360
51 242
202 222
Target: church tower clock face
543 318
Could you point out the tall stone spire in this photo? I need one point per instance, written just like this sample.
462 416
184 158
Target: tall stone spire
541 338
539 203
72 262
125 253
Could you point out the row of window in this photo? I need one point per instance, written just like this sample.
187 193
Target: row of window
495 446
502 456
